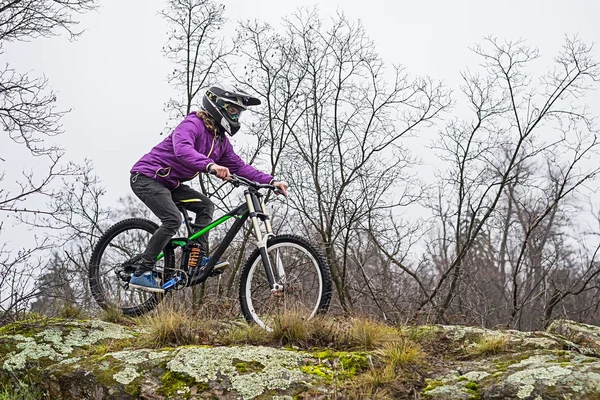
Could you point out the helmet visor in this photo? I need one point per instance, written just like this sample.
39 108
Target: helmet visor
233 110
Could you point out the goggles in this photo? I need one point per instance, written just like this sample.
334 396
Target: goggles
233 110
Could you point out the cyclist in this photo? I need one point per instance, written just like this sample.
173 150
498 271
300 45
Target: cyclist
198 144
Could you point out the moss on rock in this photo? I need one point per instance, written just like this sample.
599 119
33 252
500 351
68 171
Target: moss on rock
176 384
244 367
281 367
346 364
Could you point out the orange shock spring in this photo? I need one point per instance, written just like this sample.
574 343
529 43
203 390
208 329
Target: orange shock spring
193 260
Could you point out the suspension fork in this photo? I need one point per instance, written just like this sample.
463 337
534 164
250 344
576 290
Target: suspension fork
256 208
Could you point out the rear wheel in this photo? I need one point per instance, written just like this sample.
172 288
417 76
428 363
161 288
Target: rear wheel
111 266
300 270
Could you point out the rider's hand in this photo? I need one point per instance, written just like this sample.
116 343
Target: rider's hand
220 172
282 186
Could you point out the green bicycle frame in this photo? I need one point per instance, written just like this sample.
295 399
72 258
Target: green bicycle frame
253 208
182 242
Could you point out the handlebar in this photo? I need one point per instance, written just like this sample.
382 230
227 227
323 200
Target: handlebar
237 181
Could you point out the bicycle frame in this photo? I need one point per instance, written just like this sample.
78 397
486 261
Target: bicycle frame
254 208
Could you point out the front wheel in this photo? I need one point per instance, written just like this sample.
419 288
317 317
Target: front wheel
300 270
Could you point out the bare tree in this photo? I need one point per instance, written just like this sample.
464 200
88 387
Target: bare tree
27 111
58 292
332 125
29 116
497 176
195 47
18 272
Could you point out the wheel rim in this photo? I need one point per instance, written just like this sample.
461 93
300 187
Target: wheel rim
302 285
122 247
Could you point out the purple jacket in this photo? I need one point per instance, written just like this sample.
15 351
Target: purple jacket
188 150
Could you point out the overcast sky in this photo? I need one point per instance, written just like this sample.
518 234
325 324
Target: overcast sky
114 76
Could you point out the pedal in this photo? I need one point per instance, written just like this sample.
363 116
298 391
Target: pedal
219 268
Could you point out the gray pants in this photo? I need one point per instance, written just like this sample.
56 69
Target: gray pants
161 201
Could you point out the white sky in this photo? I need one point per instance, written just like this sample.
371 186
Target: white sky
114 76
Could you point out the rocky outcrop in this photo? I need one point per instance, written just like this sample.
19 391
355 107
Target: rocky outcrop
561 363
99 360
91 360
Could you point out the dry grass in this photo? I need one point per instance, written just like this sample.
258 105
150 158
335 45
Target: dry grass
293 329
488 345
402 354
370 391
290 328
397 373
114 315
72 311
367 334
373 384
242 333
327 332
172 325
109 346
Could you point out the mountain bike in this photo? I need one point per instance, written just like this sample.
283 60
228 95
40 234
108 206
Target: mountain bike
284 272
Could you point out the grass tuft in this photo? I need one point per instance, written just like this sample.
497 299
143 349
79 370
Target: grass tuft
19 391
327 332
242 333
398 366
368 334
290 328
115 316
373 384
171 325
488 345
402 354
72 311
109 346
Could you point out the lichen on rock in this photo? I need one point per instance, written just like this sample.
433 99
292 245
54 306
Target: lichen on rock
127 375
281 367
135 357
54 343
521 376
586 337
526 380
29 349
